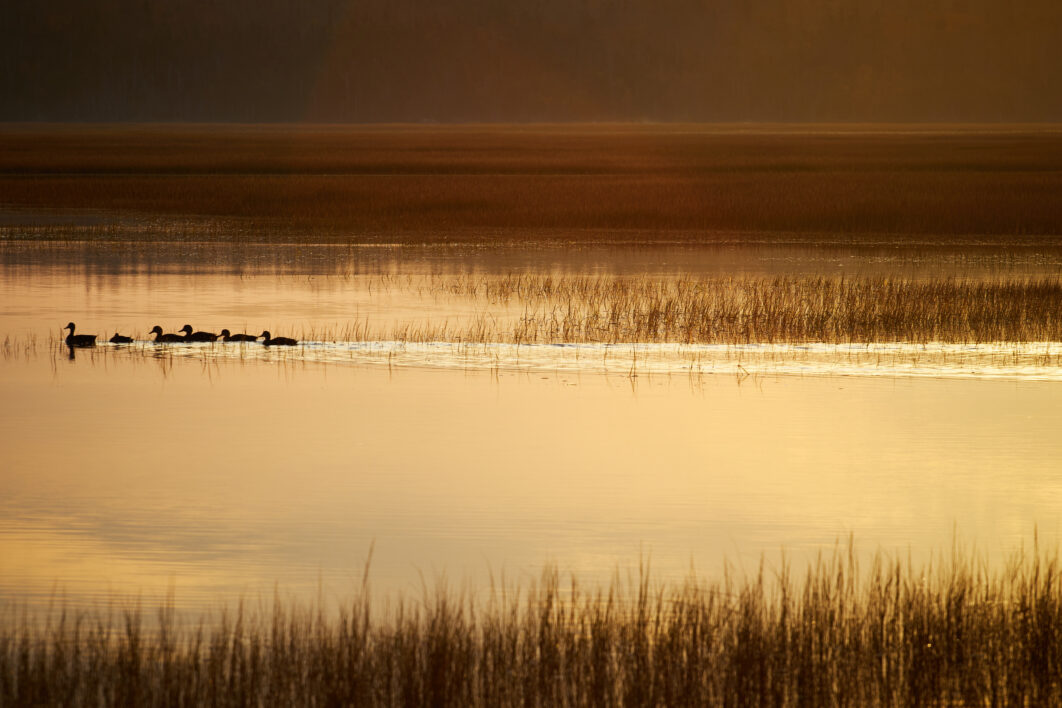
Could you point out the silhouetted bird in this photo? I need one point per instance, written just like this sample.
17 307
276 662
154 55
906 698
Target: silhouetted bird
277 341
160 337
121 339
190 336
229 337
79 340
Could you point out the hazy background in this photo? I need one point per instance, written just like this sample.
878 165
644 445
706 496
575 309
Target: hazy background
531 60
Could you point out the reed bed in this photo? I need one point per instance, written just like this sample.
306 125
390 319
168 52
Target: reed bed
538 308
950 633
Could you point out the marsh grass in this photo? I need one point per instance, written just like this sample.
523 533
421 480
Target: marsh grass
543 308
951 633
748 324
21 348
535 308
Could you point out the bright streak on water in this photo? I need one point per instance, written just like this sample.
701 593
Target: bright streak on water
1030 361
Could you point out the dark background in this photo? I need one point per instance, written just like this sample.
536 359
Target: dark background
531 60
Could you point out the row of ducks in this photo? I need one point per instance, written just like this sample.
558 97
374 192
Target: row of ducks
187 335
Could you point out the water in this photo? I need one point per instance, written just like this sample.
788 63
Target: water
216 472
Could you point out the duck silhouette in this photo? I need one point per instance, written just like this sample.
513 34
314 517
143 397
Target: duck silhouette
79 340
160 337
229 337
277 341
120 339
190 336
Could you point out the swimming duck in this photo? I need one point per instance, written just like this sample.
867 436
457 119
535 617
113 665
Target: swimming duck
79 340
229 337
160 337
190 336
121 339
277 341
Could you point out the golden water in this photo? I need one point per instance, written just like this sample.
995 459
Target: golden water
134 470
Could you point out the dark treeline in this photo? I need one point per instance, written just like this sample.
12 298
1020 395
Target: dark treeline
531 60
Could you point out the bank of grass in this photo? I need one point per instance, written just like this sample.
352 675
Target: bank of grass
951 633
543 308
547 183
537 308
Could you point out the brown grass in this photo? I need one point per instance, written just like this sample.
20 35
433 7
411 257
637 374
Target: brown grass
537 308
410 184
951 634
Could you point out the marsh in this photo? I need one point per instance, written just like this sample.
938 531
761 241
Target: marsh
699 347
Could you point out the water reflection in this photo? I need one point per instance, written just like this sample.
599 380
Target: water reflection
1025 361
108 258
223 477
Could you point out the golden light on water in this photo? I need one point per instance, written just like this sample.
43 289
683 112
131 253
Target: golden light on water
223 476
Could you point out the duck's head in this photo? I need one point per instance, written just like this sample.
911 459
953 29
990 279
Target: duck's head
186 328
156 330
226 333
265 334
70 326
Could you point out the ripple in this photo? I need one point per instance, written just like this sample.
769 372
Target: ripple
1039 361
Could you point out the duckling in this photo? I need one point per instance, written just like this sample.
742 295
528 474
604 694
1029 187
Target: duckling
79 340
277 341
190 336
120 339
160 337
229 337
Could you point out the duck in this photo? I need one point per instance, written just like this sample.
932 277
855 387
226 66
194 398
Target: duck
277 341
160 337
79 340
190 336
229 337
120 339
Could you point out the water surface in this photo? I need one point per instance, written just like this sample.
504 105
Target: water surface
219 472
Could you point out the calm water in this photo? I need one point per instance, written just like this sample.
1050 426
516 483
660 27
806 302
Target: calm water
218 475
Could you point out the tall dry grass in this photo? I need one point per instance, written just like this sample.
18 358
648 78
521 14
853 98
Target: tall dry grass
954 633
544 308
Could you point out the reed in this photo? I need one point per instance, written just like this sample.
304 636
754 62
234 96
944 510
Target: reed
536 308
544 308
952 632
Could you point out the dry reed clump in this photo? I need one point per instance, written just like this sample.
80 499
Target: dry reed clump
536 308
953 634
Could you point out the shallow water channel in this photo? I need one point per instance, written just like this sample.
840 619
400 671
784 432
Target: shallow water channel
217 472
